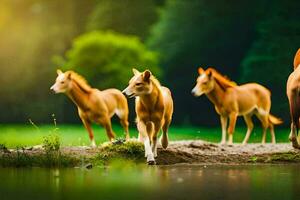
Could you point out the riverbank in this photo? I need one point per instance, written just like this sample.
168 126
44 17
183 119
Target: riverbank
194 151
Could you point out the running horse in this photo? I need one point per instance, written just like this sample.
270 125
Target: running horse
231 101
154 109
93 105
293 94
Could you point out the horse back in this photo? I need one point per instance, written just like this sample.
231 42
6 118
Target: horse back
253 94
297 59
113 99
293 94
168 101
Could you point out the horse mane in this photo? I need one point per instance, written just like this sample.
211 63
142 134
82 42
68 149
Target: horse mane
297 59
155 81
80 81
223 81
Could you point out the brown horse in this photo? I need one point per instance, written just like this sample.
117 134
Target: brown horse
154 109
293 94
232 101
93 105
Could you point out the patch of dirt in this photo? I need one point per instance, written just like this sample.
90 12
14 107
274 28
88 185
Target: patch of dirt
204 152
197 151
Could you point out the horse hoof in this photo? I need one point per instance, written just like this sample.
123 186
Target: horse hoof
151 162
295 144
292 139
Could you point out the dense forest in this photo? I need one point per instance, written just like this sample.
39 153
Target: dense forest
248 41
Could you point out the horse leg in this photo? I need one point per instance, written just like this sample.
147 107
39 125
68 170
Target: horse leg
250 126
264 119
164 140
124 123
142 128
87 125
271 126
123 116
125 126
224 121
154 145
157 127
232 118
106 123
293 136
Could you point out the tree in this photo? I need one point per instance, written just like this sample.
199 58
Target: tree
269 61
133 17
31 32
203 33
106 58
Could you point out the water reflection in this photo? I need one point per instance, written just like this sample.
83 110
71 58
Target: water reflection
129 181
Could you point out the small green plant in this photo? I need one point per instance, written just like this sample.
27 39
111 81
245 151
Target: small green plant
2 147
253 159
51 142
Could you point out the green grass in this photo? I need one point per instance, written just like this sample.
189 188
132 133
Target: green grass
73 135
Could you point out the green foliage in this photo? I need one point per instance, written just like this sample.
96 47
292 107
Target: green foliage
203 33
106 58
3 148
132 17
269 61
51 142
245 40
132 151
31 32
21 158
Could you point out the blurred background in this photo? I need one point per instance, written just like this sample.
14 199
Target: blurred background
248 41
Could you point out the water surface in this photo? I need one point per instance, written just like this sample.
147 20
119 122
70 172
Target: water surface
129 181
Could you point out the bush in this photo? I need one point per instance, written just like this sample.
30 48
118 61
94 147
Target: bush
51 143
105 59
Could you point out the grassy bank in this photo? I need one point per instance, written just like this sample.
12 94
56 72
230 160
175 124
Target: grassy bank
133 152
14 136
47 156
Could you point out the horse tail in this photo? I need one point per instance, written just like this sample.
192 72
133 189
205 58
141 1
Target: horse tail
295 109
297 59
274 120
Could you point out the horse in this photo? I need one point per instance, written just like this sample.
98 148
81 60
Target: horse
93 105
231 101
154 109
293 94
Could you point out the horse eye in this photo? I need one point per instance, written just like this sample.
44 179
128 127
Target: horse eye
62 82
138 84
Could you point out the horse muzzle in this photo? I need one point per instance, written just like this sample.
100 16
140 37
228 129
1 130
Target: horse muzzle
128 94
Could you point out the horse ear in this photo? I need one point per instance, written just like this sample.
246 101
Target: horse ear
135 71
59 72
146 75
200 70
69 76
209 74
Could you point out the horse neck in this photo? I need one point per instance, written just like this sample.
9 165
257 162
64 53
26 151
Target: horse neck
150 100
78 95
216 95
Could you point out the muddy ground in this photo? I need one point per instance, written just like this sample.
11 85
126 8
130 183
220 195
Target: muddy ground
195 151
